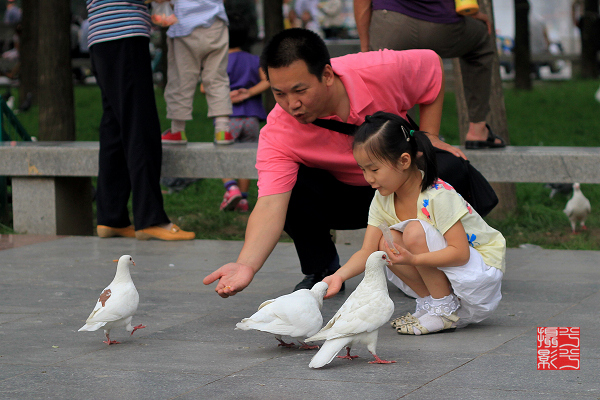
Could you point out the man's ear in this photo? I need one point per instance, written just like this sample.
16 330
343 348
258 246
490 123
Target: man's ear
328 75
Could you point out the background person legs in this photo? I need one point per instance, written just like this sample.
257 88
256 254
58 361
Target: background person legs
123 71
319 203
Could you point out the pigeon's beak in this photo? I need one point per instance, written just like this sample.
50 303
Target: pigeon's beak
133 262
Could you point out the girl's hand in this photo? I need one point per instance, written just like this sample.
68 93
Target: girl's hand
239 95
400 255
335 283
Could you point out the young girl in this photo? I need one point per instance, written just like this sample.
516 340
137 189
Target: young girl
445 255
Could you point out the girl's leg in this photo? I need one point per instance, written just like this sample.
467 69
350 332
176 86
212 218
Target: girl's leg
411 277
424 281
434 279
407 273
244 185
438 307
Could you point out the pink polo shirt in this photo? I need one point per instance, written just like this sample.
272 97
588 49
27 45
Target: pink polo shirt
384 80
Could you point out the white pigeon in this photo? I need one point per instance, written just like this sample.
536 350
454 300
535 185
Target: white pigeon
577 208
359 318
297 314
117 304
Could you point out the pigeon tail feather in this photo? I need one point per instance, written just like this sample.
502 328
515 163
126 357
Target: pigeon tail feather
94 326
328 351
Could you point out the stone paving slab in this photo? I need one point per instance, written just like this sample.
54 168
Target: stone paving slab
190 349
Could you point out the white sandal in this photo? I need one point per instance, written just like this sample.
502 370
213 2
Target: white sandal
440 317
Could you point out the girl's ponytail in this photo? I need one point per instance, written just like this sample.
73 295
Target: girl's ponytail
426 159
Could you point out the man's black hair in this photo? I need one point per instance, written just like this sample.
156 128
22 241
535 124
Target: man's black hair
292 45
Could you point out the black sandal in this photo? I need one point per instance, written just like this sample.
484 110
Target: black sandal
489 143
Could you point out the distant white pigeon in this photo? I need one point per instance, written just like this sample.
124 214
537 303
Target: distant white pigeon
297 314
359 318
117 304
577 208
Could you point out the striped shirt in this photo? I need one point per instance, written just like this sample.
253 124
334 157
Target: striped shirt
117 19
193 14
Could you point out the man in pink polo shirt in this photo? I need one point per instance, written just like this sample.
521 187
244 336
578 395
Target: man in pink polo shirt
308 180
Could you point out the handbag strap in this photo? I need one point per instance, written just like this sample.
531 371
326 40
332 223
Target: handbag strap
349 129
338 126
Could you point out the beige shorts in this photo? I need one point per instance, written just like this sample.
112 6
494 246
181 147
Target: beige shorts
200 56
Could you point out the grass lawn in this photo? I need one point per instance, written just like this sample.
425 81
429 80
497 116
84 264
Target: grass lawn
552 114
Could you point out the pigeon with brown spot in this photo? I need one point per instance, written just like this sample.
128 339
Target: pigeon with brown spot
117 303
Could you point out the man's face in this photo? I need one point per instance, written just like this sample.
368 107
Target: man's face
300 93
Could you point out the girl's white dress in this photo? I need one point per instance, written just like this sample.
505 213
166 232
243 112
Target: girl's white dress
477 284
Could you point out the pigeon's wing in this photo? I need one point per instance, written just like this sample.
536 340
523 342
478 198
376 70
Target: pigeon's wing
569 209
290 315
300 317
122 303
266 303
588 206
362 313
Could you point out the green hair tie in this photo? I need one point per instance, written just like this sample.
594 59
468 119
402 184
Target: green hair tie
411 132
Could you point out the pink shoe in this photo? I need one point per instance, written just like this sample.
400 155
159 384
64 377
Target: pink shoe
231 198
242 206
173 138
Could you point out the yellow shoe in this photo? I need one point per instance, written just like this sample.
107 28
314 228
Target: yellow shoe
107 231
156 232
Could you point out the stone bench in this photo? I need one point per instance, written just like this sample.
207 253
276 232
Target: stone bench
51 181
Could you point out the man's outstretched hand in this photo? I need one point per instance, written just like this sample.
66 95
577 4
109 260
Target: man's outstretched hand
233 278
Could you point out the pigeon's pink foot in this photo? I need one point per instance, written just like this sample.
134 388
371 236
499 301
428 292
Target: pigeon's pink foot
380 361
305 346
135 328
584 227
348 356
109 342
284 344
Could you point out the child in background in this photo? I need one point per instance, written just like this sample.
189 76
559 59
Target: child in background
247 82
445 255
197 48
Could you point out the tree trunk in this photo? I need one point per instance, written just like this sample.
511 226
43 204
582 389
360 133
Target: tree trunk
28 50
590 37
496 118
522 51
57 114
273 15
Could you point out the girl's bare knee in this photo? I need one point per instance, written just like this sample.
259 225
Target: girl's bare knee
414 237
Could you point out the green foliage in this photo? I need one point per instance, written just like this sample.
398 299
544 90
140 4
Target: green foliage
552 114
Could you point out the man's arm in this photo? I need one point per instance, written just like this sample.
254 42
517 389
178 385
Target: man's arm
430 117
262 234
362 15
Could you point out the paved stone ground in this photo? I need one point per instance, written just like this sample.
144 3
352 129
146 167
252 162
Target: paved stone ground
190 349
